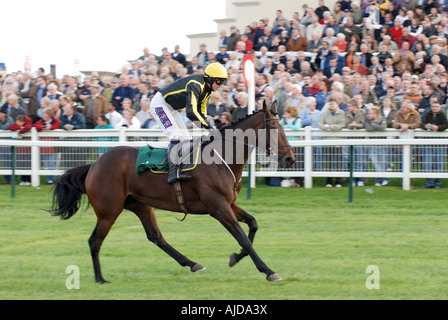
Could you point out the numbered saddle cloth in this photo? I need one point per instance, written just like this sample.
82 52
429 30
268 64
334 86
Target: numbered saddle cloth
155 159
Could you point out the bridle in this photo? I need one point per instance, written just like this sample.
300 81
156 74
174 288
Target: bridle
267 129
268 138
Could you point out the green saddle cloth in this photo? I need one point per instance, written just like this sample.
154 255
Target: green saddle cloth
155 159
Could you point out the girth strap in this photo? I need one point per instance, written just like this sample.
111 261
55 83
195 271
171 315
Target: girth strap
180 199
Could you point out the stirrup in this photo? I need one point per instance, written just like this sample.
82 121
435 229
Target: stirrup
174 174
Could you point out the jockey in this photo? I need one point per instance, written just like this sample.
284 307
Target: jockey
192 93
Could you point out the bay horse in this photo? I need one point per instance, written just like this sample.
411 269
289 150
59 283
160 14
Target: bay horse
111 185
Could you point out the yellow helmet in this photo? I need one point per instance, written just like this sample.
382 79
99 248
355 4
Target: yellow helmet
216 70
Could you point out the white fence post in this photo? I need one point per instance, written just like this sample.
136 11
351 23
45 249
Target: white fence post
406 167
35 159
308 160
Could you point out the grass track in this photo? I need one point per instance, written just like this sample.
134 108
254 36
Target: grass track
314 239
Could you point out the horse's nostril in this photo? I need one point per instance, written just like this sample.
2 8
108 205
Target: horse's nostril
290 161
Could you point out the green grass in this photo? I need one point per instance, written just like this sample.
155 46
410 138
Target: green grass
314 239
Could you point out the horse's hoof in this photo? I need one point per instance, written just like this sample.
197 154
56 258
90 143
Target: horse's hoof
232 260
102 281
273 277
197 267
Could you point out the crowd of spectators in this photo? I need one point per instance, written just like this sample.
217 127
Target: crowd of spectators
331 68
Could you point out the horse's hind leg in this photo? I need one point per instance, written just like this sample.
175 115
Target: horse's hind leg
100 232
149 221
243 216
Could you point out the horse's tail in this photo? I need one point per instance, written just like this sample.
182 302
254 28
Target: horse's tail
68 191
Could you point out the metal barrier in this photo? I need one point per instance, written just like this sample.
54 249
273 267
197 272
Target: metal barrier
385 154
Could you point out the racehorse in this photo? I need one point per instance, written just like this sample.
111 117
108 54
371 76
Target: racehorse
111 185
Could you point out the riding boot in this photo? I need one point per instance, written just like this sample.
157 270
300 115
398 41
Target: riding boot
174 173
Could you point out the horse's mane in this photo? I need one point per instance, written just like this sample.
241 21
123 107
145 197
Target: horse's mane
234 123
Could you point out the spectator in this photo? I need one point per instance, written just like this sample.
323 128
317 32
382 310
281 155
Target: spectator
144 113
40 93
22 125
179 56
296 42
404 59
113 116
321 57
222 38
225 120
340 42
49 155
279 16
296 99
135 71
53 92
265 40
5 152
150 123
233 38
71 119
239 111
319 11
434 156
216 107
429 91
95 105
233 62
129 120
222 56
356 12
202 55
355 118
143 93
357 66
292 121
122 92
407 118
377 154
194 66
12 107
249 45
329 37
406 37
310 115
103 123
84 92
146 55
171 63
28 91
334 52
332 119
323 94
281 26
314 28
349 28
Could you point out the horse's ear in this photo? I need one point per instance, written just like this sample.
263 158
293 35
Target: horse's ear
265 107
274 107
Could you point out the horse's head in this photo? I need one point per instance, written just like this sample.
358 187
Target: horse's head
282 148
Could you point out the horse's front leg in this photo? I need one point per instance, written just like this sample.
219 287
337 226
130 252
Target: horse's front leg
226 217
243 216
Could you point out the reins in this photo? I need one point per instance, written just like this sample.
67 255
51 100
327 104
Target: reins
177 186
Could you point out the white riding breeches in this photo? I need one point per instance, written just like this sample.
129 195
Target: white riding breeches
169 119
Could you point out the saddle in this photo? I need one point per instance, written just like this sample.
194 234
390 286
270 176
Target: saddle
156 159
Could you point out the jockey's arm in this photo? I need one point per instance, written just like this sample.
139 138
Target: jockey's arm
196 108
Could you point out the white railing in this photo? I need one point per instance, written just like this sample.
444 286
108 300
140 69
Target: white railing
404 155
